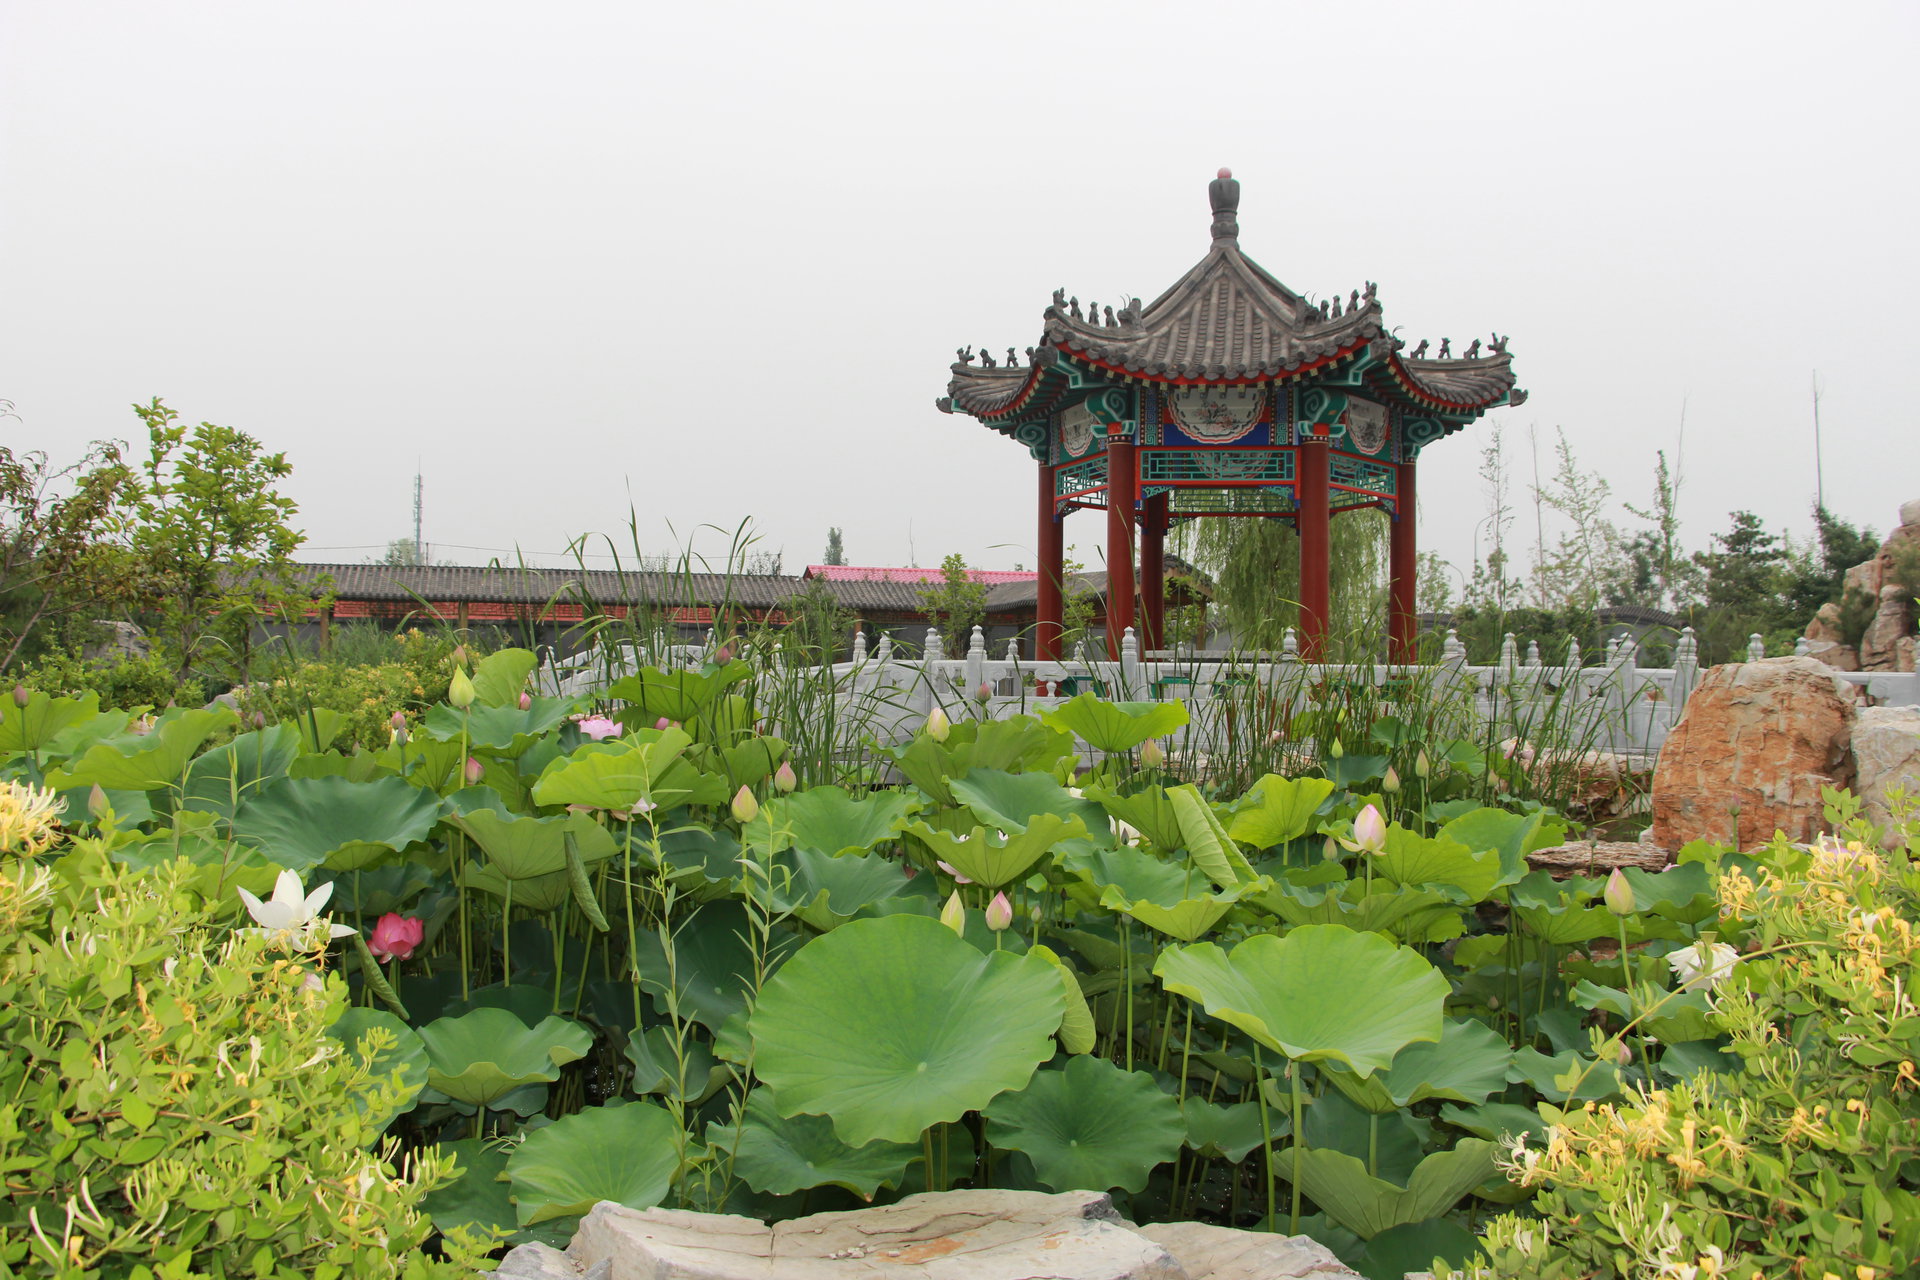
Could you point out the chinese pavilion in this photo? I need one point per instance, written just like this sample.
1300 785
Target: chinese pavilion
1228 395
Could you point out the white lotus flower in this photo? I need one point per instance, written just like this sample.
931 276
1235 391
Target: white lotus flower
292 913
1703 965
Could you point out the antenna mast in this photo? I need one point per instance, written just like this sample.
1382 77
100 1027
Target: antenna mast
1819 477
419 550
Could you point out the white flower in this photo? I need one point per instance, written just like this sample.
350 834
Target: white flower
1703 965
288 916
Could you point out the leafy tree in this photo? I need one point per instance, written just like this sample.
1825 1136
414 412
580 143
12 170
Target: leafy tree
957 604
1575 572
836 553
1840 547
62 542
211 541
1654 571
1255 567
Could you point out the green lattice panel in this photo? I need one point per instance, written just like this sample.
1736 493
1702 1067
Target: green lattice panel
1216 466
1082 477
1357 473
1219 502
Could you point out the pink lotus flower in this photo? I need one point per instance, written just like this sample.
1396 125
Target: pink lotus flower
663 723
526 702
784 778
999 913
949 869
598 727
395 936
475 770
399 721
1369 832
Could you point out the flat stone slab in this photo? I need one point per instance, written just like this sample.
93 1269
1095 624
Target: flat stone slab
952 1235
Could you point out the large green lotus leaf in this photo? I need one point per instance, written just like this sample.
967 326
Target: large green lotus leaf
1390 1145
1512 835
625 1152
1683 1016
992 862
1321 992
1351 770
1206 840
1551 909
657 1068
1228 1131
1077 1033
1468 1064
501 676
420 760
538 893
301 822
220 779
143 761
1186 919
317 727
1416 860
1018 744
746 762
1117 726
1147 811
1276 810
1089 1125
520 848
401 1050
614 775
695 856
1367 1206
826 891
1011 801
480 1057
1347 903
828 820
218 866
43 719
479 1197
676 695
1411 1247
895 1024
1134 873
1684 893
1568 1076
1496 1121
779 1155
503 731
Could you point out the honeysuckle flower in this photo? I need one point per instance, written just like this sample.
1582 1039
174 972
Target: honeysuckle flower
395 936
949 868
475 770
460 691
999 913
291 913
1704 965
29 818
598 727
784 778
526 702
1152 754
1618 895
954 914
745 807
1369 832
938 726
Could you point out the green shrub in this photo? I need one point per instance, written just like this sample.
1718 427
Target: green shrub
411 677
123 682
1802 1159
171 1105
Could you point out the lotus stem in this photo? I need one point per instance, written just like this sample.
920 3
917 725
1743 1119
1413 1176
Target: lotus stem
1266 1136
1293 1227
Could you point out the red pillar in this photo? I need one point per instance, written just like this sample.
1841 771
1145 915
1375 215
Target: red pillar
1153 572
1313 520
1121 488
1402 626
1049 600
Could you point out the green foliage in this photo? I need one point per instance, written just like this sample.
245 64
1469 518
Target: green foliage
957 604
172 1101
125 682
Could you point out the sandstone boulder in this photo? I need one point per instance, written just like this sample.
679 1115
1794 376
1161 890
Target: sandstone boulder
1910 513
1886 754
1884 632
1222 1253
1825 627
1755 745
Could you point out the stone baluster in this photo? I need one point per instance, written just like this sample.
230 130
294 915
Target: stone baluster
1080 651
860 646
1756 648
976 659
1129 664
1013 649
884 653
1451 650
1533 653
1509 654
1686 674
1290 646
1802 647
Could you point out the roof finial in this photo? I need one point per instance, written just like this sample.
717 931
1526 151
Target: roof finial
1225 194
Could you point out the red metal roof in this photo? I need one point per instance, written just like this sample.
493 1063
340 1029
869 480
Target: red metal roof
933 577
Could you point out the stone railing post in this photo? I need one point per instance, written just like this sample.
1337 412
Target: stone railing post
976 660
1756 648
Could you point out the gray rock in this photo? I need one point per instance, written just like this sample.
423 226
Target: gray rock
1886 756
1910 512
1222 1253
544 1262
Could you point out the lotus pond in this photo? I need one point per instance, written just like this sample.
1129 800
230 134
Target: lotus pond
616 949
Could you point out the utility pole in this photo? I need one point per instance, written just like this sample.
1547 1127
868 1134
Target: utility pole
419 549
1819 476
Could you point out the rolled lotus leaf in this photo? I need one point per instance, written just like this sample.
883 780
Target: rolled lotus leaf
480 1057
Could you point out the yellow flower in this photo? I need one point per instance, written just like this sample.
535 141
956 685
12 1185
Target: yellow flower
29 819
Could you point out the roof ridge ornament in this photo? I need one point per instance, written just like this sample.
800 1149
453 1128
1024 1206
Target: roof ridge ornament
1224 192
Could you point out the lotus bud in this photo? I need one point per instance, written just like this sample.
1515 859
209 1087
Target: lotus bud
1618 895
722 656
1331 849
1273 739
745 807
399 721
954 914
1621 1054
20 695
460 690
784 779
938 726
983 693
1336 750
96 801
475 770
526 702
1493 1002
1422 767
663 723
1152 754
259 720
1391 783
459 655
1370 831
999 913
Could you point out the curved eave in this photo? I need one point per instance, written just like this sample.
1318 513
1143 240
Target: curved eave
1303 369
983 394
1409 383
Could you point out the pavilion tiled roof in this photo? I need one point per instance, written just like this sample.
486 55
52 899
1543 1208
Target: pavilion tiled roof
1225 321
531 586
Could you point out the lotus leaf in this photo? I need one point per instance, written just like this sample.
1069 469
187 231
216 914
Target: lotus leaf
828 820
1186 919
1147 811
895 1024
501 677
615 775
1411 1247
1389 1145
1512 835
143 761
401 1050
675 695
1089 1125
747 762
780 1155
1567 1076
218 867
713 964
1077 1031
1550 909
479 1197
541 893
1496 1121
1426 861
1367 1206
626 1152
1011 801
526 1001
521 848
303 822
221 778
1353 768
1671 1017
984 860
695 856
1135 873
1684 894
1113 727
1018 744
826 891
1207 841
479 1057
43 719
1276 810
317 727
1468 1064
1228 1131
1321 992
1348 903
503 731
657 1067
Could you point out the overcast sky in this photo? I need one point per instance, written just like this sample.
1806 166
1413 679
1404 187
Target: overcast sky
593 265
